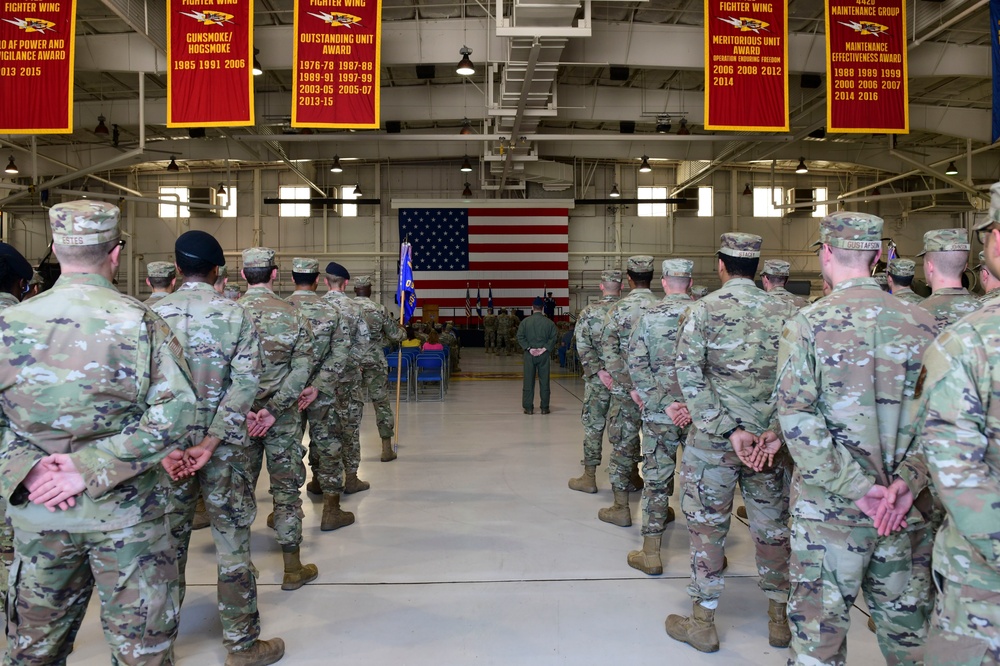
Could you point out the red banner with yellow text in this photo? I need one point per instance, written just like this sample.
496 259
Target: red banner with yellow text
337 63
866 85
37 48
746 65
210 63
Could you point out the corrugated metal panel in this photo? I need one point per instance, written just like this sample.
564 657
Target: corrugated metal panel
147 17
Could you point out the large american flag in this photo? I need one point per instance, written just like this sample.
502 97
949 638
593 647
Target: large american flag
519 252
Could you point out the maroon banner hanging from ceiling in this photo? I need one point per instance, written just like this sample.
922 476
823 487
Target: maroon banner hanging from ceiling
336 63
746 65
37 47
209 63
866 87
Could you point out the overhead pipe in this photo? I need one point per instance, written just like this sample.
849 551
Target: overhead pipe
522 104
954 182
66 165
938 29
348 138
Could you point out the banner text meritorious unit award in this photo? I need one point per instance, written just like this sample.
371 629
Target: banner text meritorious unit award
337 62
746 65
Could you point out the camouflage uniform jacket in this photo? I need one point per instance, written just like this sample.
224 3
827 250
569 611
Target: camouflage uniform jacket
449 339
7 300
961 402
907 295
154 298
358 332
331 338
107 384
619 323
949 305
383 330
727 361
989 297
286 341
223 351
490 322
651 355
794 299
848 372
589 325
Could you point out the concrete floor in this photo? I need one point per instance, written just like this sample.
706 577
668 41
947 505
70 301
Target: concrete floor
470 549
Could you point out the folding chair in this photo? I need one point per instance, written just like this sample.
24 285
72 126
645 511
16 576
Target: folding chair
429 368
406 376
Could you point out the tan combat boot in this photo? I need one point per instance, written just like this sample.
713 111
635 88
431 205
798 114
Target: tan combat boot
698 631
778 633
352 484
647 560
296 573
333 515
741 512
270 520
261 653
619 512
200 520
313 487
586 483
387 453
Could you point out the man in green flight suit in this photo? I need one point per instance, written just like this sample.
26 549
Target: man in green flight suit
537 336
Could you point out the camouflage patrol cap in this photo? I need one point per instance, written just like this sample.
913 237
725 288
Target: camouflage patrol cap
776 268
36 278
84 222
232 292
677 267
851 231
641 263
160 269
946 240
223 272
902 268
611 275
738 244
303 265
881 279
258 257
363 281
699 290
993 217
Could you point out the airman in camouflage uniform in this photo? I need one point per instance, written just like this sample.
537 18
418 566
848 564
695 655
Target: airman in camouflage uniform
331 352
79 465
286 340
35 285
383 330
347 391
946 254
506 328
222 281
449 339
490 326
160 277
624 419
961 401
848 372
900 274
774 277
651 354
596 396
699 291
222 349
15 272
991 285
726 365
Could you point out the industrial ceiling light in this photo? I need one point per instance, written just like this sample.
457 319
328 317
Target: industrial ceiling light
644 167
683 129
802 168
747 191
357 191
173 165
11 167
466 127
876 192
101 127
465 67
467 192
336 168
257 69
221 189
662 124
952 170
466 165
614 193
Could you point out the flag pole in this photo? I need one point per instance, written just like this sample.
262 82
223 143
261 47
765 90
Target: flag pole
399 353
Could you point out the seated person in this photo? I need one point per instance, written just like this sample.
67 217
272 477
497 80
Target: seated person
411 339
433 342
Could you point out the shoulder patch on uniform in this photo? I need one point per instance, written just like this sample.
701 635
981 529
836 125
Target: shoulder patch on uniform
920 382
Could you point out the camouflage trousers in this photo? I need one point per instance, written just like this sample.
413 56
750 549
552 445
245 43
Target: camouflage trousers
325 444
282 448
624 421
375 383
54 573
964 628
6 547
229 500
490 339
709 479
832 564
596 402
349 407
659 461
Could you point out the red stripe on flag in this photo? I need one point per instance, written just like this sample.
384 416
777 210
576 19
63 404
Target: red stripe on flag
500 284
518 212
514 265
521 248
547 229
506 302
